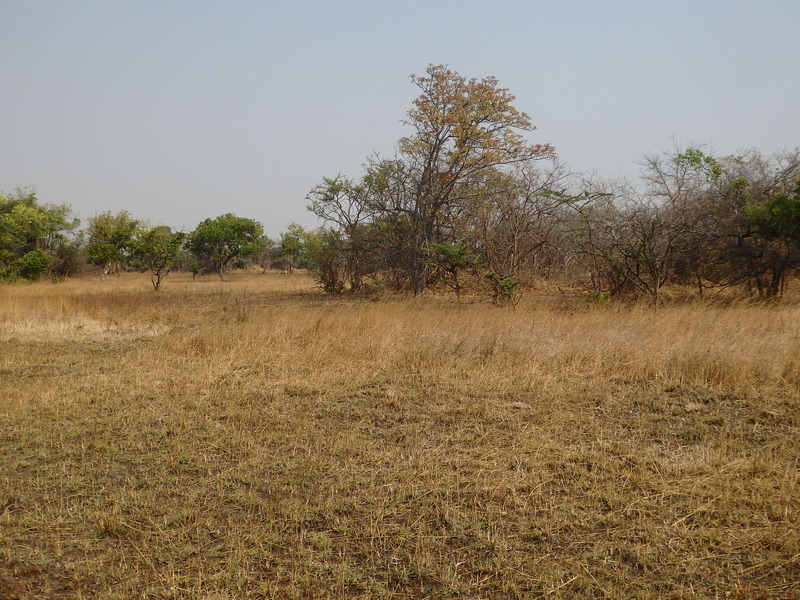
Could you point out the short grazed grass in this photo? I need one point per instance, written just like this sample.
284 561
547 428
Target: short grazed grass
256 439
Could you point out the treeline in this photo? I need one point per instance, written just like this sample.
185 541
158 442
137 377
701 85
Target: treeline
466 196
41 239
691 219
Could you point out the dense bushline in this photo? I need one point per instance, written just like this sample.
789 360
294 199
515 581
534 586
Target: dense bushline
466 185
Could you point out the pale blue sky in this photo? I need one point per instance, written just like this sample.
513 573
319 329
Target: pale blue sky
178 111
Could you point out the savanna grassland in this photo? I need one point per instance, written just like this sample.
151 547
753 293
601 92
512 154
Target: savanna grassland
256 439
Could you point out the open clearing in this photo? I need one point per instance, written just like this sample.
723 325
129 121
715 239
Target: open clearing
255 439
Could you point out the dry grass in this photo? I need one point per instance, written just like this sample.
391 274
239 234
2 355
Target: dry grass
254 439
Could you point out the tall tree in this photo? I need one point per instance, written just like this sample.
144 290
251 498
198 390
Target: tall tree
465 133
465 130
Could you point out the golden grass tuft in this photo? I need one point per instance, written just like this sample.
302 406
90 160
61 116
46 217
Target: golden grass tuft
256 439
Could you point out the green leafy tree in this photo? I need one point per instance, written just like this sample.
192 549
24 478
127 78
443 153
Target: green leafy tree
779 217
109 240
27 226
751 235
221 241
30 225
355 210
32 265
777 220
157 248
292 247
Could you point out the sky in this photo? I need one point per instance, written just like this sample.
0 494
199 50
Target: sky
185 110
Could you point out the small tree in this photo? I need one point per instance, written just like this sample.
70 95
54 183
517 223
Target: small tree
639 239
110 238
157 249
326 261
221 241
353 209
518 225
291 246
452 258
505 289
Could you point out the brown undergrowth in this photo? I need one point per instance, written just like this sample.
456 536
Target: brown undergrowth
255 439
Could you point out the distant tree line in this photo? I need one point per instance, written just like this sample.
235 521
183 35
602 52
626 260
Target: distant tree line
40 239
466 197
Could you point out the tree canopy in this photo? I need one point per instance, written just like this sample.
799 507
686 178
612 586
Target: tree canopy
227 238
156 248
109 240
32 235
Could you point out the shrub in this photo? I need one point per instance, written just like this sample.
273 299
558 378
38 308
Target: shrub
33 264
